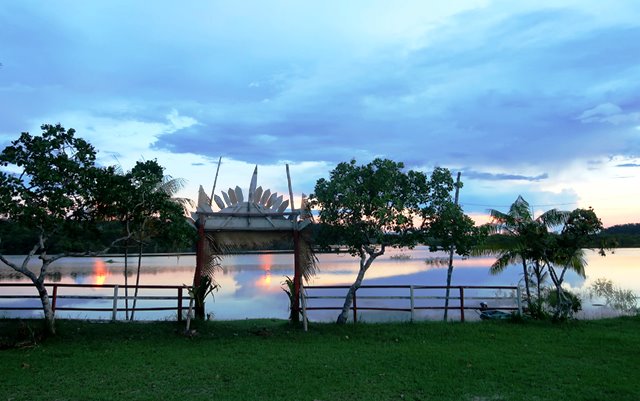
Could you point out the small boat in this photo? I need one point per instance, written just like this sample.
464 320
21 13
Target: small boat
492 314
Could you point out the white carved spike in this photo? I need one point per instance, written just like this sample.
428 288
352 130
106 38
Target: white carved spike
257 196
252 186
226 198
204 201
232 197
265 197
304 207
277 202
283 206
271 200
218 201
239 196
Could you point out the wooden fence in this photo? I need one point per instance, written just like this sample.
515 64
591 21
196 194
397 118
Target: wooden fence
59 294
461 298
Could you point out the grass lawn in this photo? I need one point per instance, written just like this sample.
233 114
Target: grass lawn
271 360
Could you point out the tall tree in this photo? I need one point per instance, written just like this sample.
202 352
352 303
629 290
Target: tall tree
156 210
51 185
454 232
374 206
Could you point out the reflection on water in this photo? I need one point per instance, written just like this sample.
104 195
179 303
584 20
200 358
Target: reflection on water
251 285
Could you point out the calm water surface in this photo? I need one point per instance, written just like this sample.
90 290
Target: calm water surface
251 285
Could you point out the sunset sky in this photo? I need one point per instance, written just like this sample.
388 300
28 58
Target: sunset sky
532 98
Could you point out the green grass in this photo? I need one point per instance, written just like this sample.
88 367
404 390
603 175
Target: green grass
271 360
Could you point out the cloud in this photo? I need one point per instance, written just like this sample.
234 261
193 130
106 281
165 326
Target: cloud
628 165
501 177
609 113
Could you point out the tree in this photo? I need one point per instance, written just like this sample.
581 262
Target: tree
374 206
155 210
50 184
455 232
565 251
525 241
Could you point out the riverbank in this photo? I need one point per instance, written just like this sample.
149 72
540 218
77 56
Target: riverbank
271 360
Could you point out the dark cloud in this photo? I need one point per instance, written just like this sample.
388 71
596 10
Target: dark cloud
628 165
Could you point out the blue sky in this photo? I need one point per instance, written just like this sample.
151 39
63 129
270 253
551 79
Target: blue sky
534 98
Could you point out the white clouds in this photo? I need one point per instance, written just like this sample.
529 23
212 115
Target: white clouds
515 89
609 113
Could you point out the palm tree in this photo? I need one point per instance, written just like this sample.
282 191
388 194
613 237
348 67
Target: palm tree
525 239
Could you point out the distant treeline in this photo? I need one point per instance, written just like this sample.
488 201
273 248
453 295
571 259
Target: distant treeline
624 235
19 240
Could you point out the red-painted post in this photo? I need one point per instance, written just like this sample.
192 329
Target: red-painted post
297 277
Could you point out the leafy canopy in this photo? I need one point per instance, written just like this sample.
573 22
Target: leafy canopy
49 180
378 204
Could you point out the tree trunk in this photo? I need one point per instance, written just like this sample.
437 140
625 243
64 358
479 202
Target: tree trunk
450 269
126 279
49 317
526 282
449 274
135 295
365 263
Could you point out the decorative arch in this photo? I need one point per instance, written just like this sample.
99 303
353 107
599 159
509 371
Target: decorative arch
263 219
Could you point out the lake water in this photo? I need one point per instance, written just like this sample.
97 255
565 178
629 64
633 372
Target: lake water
251 285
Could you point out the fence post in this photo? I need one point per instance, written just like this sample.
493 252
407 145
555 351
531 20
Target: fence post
54 299
519 300
355 307
115 303
303 301
462 304
412 302
179 304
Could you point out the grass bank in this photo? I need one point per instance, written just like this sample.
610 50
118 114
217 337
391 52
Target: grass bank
270 360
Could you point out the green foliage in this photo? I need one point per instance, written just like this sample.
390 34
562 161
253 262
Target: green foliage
569 303
53 191
615 297
371 205
200 292
539 249
289 288
50 181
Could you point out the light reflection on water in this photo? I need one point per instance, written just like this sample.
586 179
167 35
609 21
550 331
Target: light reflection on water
251 285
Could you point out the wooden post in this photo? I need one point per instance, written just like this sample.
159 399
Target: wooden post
180 304
293 208
114 313
197 276
461 304
519 300
215 181
54 299
297 275
355 307
412 302
303 301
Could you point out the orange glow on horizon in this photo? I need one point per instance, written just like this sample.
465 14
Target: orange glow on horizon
100 272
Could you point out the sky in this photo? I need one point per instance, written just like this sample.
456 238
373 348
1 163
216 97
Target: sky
532 98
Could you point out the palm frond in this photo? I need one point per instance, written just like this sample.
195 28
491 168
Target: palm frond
503 261
171 186
554 217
